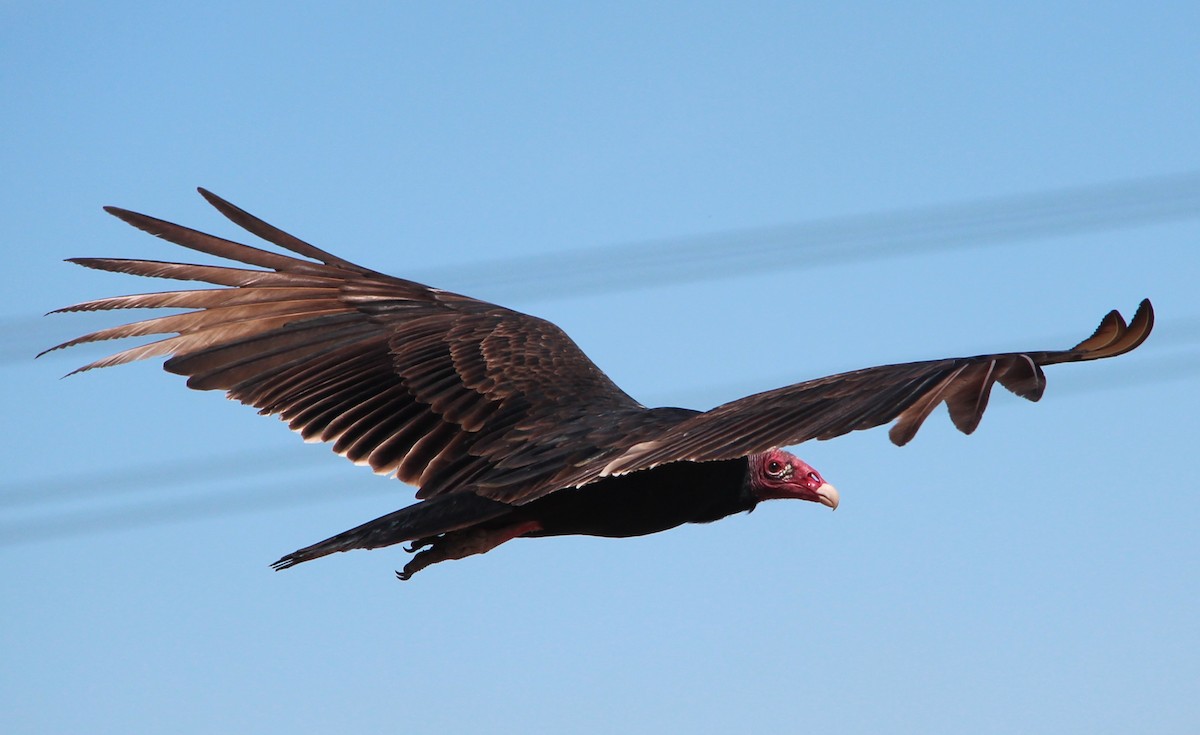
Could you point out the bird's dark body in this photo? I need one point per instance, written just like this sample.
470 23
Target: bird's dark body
641 503
503 423
645 502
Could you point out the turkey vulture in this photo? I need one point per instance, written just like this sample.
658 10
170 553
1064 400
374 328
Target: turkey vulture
499 419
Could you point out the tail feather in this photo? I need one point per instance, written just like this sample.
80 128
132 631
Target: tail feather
431 517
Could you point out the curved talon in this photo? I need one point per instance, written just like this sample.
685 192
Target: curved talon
419 562
419 543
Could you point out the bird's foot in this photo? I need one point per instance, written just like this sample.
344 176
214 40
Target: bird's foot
417 544
461 544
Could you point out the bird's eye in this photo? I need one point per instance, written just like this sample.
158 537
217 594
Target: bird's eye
774 467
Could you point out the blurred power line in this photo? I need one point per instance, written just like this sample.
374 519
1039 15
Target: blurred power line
212 505
237 466
833 240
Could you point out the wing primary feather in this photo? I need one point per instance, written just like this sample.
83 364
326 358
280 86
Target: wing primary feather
1023 376
1110 329
201 298
1130 336
194 321
218 274
968 398
273 234
910 419
212 245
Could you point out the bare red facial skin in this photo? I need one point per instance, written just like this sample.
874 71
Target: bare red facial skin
779 474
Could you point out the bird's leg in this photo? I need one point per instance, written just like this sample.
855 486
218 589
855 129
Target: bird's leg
461 544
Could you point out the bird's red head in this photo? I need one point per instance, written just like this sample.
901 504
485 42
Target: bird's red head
779 474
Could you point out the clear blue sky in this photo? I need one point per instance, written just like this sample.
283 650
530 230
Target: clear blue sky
1040 576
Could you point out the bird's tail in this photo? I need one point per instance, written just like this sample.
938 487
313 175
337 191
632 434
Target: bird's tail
421 520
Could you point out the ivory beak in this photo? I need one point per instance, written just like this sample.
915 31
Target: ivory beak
828 495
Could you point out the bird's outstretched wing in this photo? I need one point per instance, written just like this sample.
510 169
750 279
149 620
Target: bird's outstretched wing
863 399
445 391
455 394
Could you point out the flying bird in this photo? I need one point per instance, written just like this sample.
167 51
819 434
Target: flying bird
503 424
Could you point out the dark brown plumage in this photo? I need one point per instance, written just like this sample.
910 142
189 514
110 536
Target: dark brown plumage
499 419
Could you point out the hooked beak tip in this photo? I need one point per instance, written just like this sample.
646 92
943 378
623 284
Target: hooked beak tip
827 495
